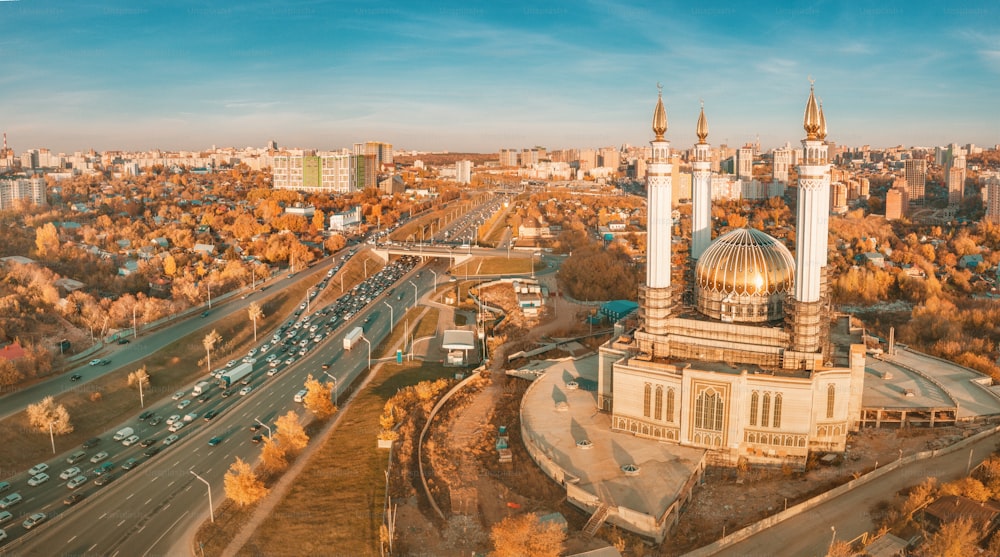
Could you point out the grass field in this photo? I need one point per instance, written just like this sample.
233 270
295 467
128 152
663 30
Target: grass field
495 266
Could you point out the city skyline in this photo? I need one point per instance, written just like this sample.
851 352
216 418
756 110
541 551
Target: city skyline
459 77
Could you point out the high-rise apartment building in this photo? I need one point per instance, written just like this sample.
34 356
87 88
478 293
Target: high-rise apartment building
508 157
368 160
781 162
915 171
954 176
323 171
609 157
27 189
463 172
897 200
744 162
993 200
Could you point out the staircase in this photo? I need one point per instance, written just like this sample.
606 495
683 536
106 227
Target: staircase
597 519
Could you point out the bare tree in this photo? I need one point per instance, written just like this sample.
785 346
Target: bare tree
242 484
209 342
255 314
47 413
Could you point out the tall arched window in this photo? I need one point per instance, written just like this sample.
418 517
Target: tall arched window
658 404
647 394
831 398
776 422
753 408
670 404
708 410
765 410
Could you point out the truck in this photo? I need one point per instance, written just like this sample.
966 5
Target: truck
123 433
201 387
352 338
232 376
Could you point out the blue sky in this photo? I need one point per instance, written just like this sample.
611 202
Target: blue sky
478 76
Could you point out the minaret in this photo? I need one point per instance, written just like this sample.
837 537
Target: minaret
655 296
811 233
701 190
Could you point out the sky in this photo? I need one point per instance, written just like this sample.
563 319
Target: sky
471 76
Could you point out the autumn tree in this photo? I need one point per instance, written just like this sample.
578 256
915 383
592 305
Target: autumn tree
169 265
517 536
242 484
954 539
289 433
9 375
46 413
255 313
139 377
209 342
47 240
272 456
318 398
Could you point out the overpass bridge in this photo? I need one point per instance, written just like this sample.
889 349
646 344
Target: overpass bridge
456 254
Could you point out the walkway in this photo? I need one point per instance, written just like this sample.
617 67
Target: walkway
973 400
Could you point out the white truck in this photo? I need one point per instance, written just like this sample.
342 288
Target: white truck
123 433
352 338
201 387
232 376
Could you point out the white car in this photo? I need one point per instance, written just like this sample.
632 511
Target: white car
38 469
130 440
274 363
70 472
3 534
38 479
299 396
252 352
94 362
246 390
179 395
172 419
169 439
98 457
183 404
176 426
77 482
271 357
190 417
272 372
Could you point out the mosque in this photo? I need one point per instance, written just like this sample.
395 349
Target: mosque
746 359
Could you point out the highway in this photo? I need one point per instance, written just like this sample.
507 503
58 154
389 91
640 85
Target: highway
145 509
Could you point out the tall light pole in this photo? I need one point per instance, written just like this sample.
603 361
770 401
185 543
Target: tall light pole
142 403
435 279
390 315
265 426
209 286
366 268
369 343
335 397
210 509
833 539
52 437
135 331
414 292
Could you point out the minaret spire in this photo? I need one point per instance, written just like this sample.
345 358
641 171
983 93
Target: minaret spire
659 115
811 120
656 294
702 129
821 134
701 189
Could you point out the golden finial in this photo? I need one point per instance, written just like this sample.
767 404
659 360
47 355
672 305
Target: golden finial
811 121
659 115
702 129
821 134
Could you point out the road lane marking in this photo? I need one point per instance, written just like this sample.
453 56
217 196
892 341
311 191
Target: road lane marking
130 495
120 523
71 539
91 548
148 501
102 516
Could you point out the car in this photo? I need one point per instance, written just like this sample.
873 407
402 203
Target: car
271 372
98 457
34 520
123 340
75 377
179 395
303 351
176 426
326 365
251 353
247 380
257 438
214 441
155 420
148 442
10 500
190 417
130 440
38 479
255 427
205 397
94 362
226 393
231 363
73 498
92 442
271 357
77 481
69 473
274 363
204 314
211 414
103 361
3 535
300 396
5 516
152 450
183 404
38 469
130 464
173 418
168 440
246 390
104 468
146 415
106 479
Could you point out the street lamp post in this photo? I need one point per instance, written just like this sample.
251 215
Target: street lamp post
390 315
265 426
204 481
52 437
142 403
135 331
435 278
369 343
414 292
832 539
366 268
335 397
208 285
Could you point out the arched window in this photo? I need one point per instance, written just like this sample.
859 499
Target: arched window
753 408
776 422
645 399
658 404
670 404
708 410
831 397
765 410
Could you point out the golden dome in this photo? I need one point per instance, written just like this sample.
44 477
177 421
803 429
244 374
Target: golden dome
811 122
743 276
659 116
702 130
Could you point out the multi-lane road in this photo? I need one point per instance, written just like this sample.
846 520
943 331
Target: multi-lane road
145 509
